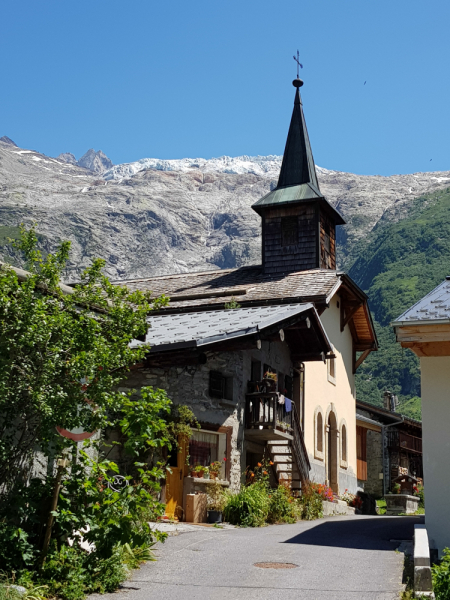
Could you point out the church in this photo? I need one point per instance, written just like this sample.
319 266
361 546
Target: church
265 355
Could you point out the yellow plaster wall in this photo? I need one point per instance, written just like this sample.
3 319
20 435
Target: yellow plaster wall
319 391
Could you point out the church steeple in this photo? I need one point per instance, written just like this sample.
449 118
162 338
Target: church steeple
298 223
298 164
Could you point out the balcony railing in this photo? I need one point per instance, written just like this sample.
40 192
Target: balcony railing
404 441
264 411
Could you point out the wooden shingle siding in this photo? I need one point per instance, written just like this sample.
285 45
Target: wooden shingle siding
295 257
327 242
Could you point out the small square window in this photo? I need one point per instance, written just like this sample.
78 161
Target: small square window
331 370
289 231
220 386
216 384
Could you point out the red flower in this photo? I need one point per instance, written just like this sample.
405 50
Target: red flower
224 458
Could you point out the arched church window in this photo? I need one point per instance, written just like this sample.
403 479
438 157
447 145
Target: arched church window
319 432
344 443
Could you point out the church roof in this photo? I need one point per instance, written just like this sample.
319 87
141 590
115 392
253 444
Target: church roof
298 178
199 329
245 284
249 286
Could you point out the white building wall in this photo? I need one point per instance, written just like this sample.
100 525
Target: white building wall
436 447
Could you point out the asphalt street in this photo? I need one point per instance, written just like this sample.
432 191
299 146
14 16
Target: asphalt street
336 558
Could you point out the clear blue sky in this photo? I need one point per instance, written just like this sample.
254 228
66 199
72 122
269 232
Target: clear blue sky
174 79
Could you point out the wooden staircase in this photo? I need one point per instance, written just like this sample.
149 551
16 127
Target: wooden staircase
284 463
264 417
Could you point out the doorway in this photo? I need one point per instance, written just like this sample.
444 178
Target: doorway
332 453
175 474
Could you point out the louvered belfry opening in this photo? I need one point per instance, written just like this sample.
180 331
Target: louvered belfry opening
298 223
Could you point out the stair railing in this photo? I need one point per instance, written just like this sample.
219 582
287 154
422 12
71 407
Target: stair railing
299 447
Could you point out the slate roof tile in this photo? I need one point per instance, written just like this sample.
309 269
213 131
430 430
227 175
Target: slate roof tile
206 327
249 284
435 306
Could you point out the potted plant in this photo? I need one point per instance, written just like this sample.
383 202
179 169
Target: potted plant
198 471
217 498
214 469
397 488
270 380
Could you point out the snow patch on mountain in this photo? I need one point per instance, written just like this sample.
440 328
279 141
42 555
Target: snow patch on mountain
263 166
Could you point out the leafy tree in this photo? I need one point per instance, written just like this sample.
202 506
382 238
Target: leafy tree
63 352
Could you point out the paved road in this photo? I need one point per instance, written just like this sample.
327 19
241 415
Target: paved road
338 558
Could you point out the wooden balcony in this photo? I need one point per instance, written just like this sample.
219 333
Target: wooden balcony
267 420
397 440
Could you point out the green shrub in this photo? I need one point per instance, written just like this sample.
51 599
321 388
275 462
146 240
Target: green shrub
250 507
441 577
421 494
311 503
283 508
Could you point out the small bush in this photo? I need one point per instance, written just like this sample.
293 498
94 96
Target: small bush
283 508
441 577
311 503
421 494
250 507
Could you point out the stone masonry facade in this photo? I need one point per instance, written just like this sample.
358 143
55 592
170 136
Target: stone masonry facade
189 385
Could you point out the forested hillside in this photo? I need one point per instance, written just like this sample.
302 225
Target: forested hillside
397 265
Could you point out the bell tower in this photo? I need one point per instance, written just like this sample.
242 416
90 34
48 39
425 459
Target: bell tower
298 223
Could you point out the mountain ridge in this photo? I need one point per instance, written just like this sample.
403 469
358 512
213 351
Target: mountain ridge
181 215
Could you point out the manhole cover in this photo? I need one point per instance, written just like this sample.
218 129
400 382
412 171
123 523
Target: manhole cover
275 565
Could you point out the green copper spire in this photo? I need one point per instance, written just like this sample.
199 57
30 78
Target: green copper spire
298 163
298 178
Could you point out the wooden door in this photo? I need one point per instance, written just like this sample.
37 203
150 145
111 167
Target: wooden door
361 453
174 482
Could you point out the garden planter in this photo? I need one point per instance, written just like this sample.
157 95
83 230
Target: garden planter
193 474
401 503
213 475
214 516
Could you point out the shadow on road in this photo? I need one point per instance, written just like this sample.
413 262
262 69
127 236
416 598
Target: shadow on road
361 534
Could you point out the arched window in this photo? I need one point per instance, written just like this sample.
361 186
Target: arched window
318 434
344 443
344 449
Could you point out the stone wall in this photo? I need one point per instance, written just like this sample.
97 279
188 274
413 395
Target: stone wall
374 485
190 386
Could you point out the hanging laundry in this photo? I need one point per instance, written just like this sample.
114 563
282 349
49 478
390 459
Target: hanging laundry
287 404
280 399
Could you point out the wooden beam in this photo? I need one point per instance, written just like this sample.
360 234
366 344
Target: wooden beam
366 425
361 359
348 309
423 349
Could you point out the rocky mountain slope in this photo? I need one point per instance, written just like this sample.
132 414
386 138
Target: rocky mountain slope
158 217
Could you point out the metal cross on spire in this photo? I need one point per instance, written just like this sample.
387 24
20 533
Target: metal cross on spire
299 64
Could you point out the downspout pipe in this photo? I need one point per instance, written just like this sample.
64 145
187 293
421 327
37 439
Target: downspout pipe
384 428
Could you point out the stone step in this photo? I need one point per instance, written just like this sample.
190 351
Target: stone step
279 458
280 449
287 468
278 443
